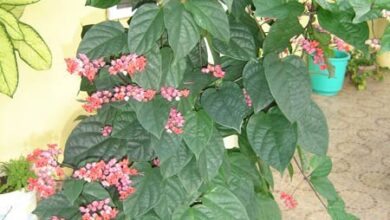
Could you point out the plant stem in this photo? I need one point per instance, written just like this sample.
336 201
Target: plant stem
309 183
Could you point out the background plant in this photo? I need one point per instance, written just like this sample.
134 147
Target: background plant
16 36
153 149
15 175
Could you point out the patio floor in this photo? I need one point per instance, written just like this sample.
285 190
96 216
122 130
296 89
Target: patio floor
359 124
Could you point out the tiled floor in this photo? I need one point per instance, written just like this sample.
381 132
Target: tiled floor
359 124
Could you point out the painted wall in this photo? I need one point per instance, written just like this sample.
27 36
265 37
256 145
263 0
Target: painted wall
45 105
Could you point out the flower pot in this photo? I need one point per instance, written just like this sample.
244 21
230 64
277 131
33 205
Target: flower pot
321 81
17 205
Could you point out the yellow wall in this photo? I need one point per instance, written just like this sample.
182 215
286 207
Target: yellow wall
45 105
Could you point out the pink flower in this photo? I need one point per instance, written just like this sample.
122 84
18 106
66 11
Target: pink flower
175 122
374 44
106 130
312 47
156 162
386 14
248 99
128 64
113 173
215 70
340 44
170 93
289 200
98 210
84 67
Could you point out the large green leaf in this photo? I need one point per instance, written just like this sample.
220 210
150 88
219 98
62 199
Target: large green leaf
268 209
57 205
278 8
152 115
182 30
147 195
209 15
145 28
197 131
151 77
180 158
224 205
385 41
11 24
340 24
33 49
173 69
238 7
273 138
225 105
242 166
256 85
324 187
289 83
16 10
190 177
8 66
173 196
166 146
336 210
313 130
211 158
17 2
241 45
102 3
86 142
278 38
364 10
194 213
94 191
104 40
321 165
72 189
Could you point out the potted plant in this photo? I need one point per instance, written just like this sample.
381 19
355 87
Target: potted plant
162 94
15 201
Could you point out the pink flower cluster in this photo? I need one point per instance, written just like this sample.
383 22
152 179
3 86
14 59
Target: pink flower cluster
170 93
47 169
98 210
248 99
127 64
96 100
312 47
113 173
289 200
374 44
216 70
386 14
156 162
340 44
175 122
106 130
83 66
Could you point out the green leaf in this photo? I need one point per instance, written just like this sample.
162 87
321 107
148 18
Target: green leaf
242 166
57 205
152 115
210 16
180 158
94 191
72 189
105 81
166 146
278 8
321 165
238 7
273 138
197 58
241 45
102 3
190 177
197 131
182 30
385 41
151 77
86 142
233 68
289 83
364 10
17 2
324 187
278 38
267 208
313 130
225 105
224 205
8 66
145 28
194 213
11 24
341 25
256 85
211 158
16 10
103 40
173 69
33 49
336 210
147 195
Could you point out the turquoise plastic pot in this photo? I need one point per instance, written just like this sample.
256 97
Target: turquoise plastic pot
321 82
